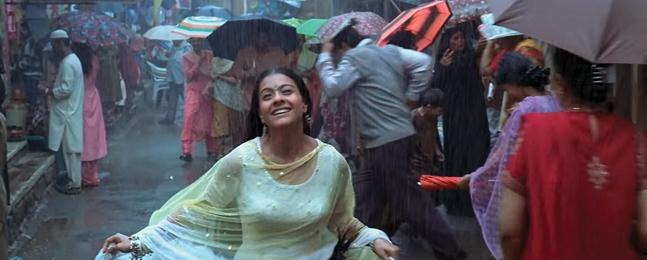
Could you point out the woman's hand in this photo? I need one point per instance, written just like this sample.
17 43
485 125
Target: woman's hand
464 183
328 47
440 156
121 244
385 250
448 58
206 92
481 45
229 79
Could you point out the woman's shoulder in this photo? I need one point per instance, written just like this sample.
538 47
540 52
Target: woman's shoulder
539 104
332 153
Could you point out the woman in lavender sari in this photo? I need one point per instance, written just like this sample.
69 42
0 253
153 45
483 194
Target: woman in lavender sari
525 83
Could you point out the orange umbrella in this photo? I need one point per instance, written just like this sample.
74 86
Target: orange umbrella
431 183
425 22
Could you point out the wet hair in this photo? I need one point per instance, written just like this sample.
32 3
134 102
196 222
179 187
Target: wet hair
403 39
432 97
255 125
348 36
84 53
515 68
578 75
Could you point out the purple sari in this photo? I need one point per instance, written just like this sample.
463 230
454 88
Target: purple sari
485 189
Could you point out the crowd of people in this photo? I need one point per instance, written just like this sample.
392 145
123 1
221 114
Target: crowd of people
281 194
325 162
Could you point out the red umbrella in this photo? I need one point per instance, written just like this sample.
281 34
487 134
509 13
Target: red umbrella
425 22
368 24
431 183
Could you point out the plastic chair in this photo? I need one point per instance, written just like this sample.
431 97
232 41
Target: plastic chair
159 80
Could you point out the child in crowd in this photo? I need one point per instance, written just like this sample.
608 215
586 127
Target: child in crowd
427 149
425 120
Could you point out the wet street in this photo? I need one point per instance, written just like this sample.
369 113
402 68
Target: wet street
141 172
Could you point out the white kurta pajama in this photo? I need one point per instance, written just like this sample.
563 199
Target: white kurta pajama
66 116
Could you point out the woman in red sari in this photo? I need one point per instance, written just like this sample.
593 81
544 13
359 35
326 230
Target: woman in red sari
576 179
198 106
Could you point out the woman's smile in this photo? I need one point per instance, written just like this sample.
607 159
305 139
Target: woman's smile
280 111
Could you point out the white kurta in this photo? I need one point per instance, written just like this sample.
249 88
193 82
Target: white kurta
66 111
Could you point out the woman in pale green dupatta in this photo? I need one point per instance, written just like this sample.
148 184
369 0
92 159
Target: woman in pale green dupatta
228 116
281 195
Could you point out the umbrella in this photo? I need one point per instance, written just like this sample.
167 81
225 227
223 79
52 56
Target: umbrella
294 22
466 10
493 32
95 29
368 24
601 31
240 31
310 27
425 22
214 11
198 26
296 4
431 183
163 33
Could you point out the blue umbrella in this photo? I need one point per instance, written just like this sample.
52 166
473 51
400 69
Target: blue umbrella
214 11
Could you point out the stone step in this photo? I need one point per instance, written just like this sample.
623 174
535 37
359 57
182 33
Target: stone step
15 151
31 176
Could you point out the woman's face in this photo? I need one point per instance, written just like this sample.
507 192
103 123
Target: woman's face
457 42
515 92
196 43
280 102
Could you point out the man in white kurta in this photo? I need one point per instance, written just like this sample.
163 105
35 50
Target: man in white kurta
66 113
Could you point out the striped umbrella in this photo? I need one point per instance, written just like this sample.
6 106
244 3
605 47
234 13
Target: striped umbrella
424 22
198 26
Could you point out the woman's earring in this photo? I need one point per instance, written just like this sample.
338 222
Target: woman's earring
264 129
308 119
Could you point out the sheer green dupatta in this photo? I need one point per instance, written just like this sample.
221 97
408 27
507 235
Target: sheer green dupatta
206 215
204 220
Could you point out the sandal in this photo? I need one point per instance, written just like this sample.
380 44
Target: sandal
67 189
186 157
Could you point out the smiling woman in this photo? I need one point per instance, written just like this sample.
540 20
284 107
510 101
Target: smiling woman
280 195
276 89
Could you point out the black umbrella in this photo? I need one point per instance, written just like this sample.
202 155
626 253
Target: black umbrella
239 32
214 11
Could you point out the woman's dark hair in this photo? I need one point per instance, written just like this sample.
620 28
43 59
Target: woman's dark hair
578 74
84 53
403 39
432 97
255 125
348 36
514 68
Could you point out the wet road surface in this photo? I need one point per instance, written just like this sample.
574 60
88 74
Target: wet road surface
141 172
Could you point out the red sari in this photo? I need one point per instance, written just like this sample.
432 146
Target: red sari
571 216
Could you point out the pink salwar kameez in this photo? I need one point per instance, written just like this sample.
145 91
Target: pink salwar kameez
94 129
198 109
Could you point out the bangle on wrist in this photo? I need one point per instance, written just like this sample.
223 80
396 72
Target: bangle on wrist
137 250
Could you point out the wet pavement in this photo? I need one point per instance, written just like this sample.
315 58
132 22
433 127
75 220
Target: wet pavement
141 172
